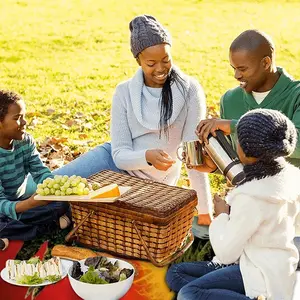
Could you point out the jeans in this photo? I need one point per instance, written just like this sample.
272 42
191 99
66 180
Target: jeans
206 280
34 222
94 161
297 244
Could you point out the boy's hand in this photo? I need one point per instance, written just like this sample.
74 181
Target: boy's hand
159 159
29 203
220 205
36 203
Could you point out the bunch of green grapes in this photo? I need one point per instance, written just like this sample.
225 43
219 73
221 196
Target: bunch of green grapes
63 186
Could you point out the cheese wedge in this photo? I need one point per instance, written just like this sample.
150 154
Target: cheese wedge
108 191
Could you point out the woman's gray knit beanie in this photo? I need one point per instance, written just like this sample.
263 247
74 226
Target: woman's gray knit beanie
146 31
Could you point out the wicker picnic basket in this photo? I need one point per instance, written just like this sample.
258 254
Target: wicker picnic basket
151 221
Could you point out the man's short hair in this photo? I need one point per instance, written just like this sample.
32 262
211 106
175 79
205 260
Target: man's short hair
254 41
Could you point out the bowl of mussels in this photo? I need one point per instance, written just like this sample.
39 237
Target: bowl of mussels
101 278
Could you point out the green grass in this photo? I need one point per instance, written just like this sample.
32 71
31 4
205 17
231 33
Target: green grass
69 55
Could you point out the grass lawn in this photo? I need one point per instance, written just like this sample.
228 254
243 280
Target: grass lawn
68 55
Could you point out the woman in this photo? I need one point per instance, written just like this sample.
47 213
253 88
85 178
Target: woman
253 240
152 114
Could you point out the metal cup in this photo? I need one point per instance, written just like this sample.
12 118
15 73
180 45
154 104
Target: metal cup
193 153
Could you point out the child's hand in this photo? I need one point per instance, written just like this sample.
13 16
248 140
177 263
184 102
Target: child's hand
36 203
29 203
220 205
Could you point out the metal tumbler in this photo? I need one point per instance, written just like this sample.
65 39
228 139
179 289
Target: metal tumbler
193 153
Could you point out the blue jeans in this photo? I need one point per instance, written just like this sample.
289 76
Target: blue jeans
297 244
34 222
94 161
206 280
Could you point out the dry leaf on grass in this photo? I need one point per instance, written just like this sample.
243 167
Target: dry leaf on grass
55 153
33 123
50 111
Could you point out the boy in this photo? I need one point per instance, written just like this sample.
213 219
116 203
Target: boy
22 217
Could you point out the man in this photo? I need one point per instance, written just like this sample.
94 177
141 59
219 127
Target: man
262 85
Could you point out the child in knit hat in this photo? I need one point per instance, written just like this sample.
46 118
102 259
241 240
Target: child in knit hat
252 235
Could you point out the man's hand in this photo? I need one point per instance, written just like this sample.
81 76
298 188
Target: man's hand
159 159
220 206
205 127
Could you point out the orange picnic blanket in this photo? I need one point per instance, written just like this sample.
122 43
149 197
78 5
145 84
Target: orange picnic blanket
149 282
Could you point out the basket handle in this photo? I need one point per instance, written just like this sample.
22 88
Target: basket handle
73 231
170 258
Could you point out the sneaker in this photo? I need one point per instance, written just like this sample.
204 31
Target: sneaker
64 222
4 244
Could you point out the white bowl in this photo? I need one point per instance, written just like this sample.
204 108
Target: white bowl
110 291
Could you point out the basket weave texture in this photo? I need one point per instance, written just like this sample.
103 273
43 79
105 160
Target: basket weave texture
150 214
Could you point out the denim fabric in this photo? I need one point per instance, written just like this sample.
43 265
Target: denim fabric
297 243
206 280
34 222
94 161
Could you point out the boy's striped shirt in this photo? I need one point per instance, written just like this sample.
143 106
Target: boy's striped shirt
15 165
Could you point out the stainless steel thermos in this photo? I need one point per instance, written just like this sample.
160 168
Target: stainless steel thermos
226 159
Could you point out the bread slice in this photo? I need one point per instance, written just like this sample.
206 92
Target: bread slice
72 253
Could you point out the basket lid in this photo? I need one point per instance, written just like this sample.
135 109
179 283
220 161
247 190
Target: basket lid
146 196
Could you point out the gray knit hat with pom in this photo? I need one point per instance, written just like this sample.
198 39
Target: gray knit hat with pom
146 31
266 134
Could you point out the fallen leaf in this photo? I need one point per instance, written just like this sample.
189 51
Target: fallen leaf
70 123
34 122
50 111
79 143
56 163
31 114
54 140
83 136
79 115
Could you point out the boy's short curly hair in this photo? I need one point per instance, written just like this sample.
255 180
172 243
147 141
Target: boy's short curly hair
6 99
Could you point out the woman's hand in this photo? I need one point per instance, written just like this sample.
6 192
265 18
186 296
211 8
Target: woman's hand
205 127
159 159
220 206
